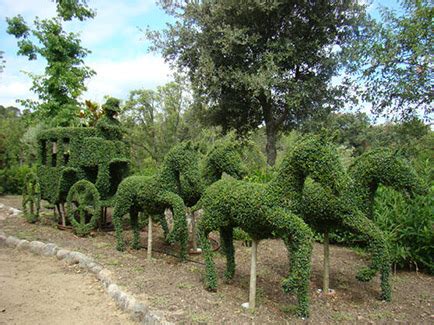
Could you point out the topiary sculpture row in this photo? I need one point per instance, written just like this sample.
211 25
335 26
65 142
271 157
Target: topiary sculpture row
179 182
354 209
267 211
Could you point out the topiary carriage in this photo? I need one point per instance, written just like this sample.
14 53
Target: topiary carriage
78 167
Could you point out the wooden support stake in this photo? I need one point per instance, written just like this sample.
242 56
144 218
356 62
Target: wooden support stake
326 273
252 293
64 212
149 254
193 231
62 216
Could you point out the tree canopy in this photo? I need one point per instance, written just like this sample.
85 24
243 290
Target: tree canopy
255 62
392 60
62 83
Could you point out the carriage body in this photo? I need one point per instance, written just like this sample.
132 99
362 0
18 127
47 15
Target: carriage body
67 155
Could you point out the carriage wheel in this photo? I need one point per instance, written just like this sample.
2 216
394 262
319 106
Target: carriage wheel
83 207
31 197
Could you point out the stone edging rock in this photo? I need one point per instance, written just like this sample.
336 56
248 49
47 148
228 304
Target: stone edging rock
123 300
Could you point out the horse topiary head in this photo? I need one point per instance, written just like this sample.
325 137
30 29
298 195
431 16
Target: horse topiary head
224 157
387 167
318 159
181 170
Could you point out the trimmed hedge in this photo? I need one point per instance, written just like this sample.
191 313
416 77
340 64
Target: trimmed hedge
178 181
267 211
353 211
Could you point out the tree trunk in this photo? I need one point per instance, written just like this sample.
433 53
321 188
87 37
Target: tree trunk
270 147
326 273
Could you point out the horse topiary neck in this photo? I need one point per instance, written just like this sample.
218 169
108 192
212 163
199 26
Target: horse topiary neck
169 179
288 183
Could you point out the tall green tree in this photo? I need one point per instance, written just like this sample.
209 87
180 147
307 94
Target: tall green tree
393 61
254 62
155 118
63 82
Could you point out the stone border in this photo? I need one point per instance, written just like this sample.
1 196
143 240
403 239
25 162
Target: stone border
124 300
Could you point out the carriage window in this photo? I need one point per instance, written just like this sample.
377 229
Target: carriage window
43 152
66 151
53 153
91 173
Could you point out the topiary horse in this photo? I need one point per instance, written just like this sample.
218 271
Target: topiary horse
266 211
386 167
323 211
178 181
183 183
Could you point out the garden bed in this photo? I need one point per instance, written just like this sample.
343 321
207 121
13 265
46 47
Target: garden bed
177 290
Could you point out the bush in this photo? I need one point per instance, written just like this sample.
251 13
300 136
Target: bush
12 179
408 225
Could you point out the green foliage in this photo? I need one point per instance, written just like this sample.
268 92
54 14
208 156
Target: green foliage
108 126
259 62
12 179
12 127
224 157
408 225
352 212
83 207
268 211
392 59
178 181
31 197
382 166
65 73
68 9
79 154
155 119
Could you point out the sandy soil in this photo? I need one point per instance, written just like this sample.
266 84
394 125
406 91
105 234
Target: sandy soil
38 290
177 288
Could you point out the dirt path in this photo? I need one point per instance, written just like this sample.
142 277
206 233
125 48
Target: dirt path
35 290
176 289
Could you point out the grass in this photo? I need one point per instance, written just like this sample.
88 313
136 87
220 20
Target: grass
199 317
341 316
159 301
185 285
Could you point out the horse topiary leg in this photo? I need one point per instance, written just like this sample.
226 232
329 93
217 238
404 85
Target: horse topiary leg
227 239
180 227
210 270
120 209
379 251
134 220
163 222
298 239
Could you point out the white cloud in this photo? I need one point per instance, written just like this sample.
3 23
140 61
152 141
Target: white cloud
27 8
117 78
112 19
13 89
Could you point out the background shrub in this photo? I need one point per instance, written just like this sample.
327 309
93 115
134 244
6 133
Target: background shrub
12 179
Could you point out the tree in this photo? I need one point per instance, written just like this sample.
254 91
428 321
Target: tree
63 82
392 60
255 62
156 118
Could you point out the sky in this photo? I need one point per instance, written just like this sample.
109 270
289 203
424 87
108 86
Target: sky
119 52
